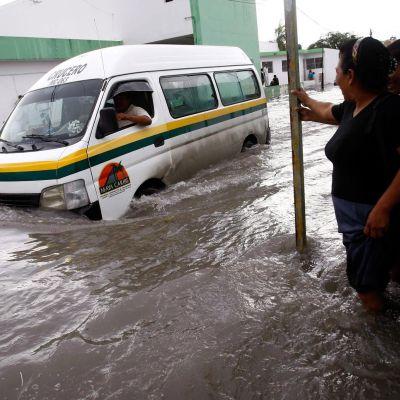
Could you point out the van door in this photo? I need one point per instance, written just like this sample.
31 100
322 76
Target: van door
132 154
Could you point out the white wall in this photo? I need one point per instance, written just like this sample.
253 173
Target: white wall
72 19
15 79
145 21
331 57
330 61
133 21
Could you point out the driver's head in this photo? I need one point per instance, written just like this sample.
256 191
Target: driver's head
122 102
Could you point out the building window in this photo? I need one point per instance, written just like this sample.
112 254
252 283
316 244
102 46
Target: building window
189 94
284 65
268 66
313 63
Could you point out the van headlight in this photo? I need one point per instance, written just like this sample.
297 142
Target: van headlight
68 196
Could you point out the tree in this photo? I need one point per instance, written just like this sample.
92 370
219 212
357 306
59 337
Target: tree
280 33
332 40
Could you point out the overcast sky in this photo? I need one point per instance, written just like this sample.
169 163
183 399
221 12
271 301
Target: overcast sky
317 17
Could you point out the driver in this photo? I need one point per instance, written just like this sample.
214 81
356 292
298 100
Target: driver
128 113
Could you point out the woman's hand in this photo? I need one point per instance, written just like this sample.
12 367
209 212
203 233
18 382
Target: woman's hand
314 110
377 222
301 95
306 114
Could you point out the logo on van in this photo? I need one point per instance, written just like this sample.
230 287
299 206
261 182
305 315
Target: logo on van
63 75
114 179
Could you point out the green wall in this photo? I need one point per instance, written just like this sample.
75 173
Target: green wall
29 48
227 23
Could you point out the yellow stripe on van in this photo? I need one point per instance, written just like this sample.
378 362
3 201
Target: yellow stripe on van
29 166
169 126
44 165
73 158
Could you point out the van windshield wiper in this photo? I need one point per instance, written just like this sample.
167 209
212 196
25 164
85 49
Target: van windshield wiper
15 146
45 138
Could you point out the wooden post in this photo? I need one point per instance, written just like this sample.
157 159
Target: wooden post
295 123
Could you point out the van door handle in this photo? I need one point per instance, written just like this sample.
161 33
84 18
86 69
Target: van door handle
158 142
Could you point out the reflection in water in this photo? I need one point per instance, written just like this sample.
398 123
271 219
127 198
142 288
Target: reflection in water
197 294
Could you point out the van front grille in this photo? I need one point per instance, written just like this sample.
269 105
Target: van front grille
20 200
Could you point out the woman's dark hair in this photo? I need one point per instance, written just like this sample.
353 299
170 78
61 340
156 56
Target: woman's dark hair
370 60
394 49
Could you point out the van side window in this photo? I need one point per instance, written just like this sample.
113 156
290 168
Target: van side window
229 88
140 93
188 94
237 86
249 84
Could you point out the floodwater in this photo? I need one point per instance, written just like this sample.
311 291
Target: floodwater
197 294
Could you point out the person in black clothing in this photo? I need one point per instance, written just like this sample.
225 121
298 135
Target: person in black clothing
394 84
365 153
274 81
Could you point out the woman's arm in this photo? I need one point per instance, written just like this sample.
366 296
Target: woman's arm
317 111
379 217
307 114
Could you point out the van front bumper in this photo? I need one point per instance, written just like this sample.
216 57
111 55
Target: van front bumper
20 200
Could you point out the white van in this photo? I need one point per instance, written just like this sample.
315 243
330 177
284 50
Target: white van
62 147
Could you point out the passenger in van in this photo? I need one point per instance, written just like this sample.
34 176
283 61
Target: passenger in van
128 113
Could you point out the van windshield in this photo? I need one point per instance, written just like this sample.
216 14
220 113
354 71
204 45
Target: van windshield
58 112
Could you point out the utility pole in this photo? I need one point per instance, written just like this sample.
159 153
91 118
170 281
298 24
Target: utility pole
295 123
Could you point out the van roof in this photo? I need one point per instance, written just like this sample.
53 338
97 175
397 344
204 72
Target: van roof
127 59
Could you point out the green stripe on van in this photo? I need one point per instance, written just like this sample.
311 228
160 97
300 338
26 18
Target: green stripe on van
28 176
73 168
120 151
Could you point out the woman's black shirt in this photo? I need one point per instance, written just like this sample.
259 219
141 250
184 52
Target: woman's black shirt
363 149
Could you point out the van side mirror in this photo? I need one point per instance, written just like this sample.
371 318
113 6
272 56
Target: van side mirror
108 123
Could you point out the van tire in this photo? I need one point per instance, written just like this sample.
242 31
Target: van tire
249 142
92 211
150 187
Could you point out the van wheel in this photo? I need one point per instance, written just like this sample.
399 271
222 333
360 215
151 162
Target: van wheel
94 212
152 186
250 141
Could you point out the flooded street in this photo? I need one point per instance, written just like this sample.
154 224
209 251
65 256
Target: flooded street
198 293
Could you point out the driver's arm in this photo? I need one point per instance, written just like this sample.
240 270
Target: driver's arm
136 119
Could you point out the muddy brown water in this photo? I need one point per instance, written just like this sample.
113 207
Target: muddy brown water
198 293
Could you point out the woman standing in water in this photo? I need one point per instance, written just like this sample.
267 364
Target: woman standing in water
364 152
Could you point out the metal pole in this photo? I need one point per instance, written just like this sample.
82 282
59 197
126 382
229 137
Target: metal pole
295 123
